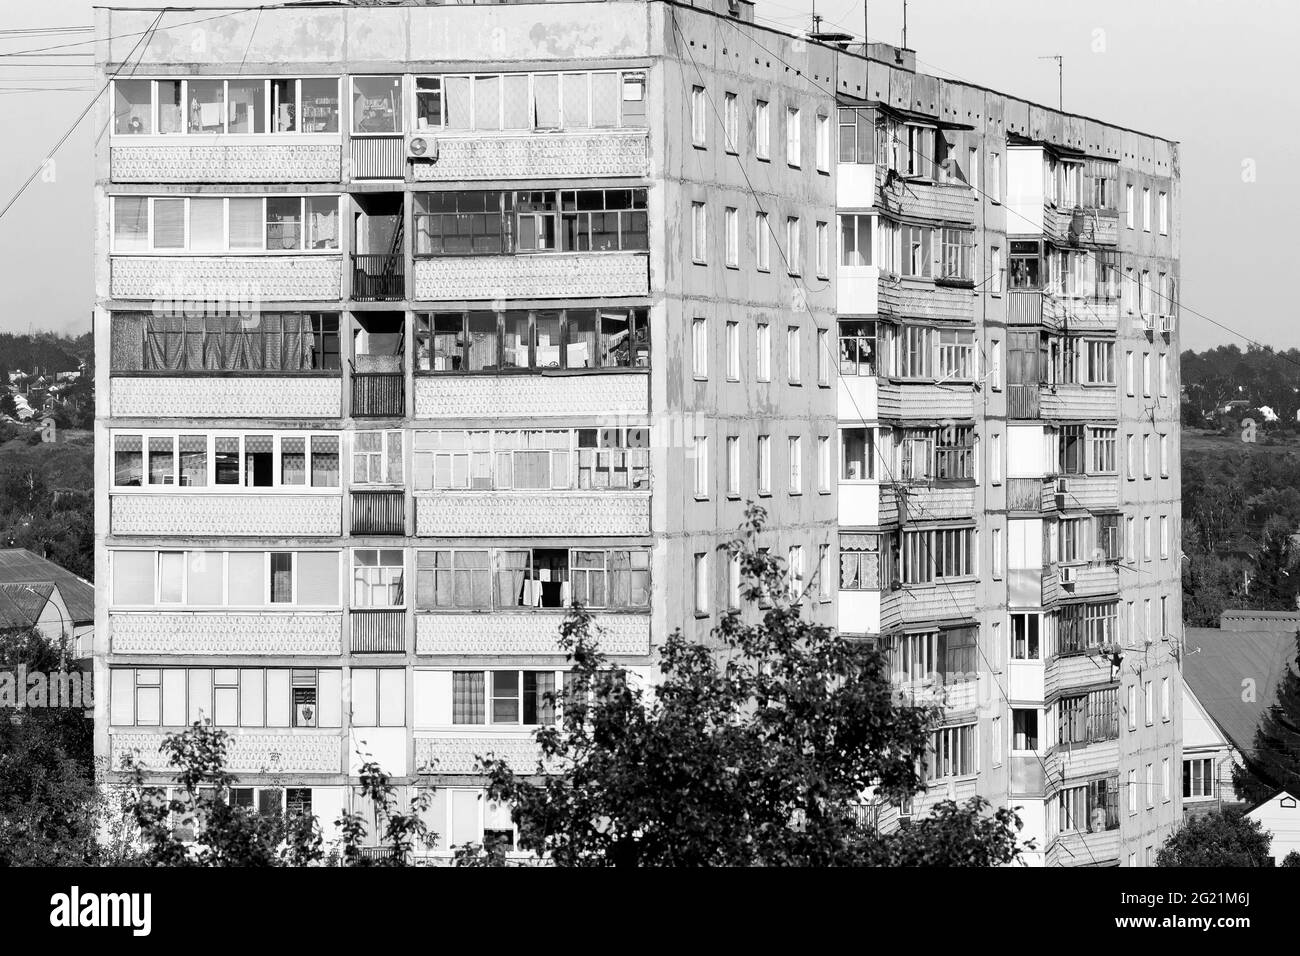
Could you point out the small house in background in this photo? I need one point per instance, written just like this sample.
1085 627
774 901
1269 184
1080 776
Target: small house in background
36 591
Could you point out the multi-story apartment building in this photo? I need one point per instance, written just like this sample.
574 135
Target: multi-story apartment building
415 323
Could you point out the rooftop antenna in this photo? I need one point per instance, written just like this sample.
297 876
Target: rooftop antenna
1060 79
904 24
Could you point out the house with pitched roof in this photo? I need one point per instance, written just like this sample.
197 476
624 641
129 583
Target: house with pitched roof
35 591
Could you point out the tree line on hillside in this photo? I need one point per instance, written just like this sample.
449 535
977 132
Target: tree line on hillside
1260 377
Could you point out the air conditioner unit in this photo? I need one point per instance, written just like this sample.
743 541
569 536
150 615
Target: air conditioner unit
1067 577
421 146
1167 324
1148 322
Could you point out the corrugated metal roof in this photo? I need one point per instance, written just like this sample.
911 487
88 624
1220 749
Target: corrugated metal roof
21 604
20 566
1235 673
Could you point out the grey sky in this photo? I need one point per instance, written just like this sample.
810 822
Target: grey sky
1204 72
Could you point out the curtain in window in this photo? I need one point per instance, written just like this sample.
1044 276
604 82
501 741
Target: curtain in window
286 342
164 340
467 697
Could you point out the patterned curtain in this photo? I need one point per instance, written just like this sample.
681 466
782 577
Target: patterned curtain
467 697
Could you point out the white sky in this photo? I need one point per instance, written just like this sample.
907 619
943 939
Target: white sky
1204 72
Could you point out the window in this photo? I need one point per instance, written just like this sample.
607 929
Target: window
514 578
973 167
1164 456
730 123
1146 456
378 696
823 250
857 347
915 247
1132 704
497 342
793 355
1164 536
1091 808
700 348
1025 637
701 466
1084 627
1130 206
934 554
1146 537
228 697
762 243
997 553
731 223
1198 778
763 357
1102 457
235 224
1083 719
504 697
823 143
215 106
701 584
1151 787
795 446
699 232
995 177
793 137
996 741
1164 374
823 464
1132 786
376 458
955 355
794 251
794 565
1164 214
1146 209
1148 700
995 363
823 358
995 459
733 581
860 568
699 116
824 582
1146 374
733 351
951 753
733 466
226 461
956 254
857 454
1129 450
995 271
762 130
1100 363
856 233
764 464
378 578
1164 699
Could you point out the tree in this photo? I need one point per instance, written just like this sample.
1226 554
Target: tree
1276 580
1219 838
48 801
1291 859
197 825
952 835
1273 761
756 750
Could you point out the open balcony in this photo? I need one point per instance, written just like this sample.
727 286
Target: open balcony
378 511
378 369
377 631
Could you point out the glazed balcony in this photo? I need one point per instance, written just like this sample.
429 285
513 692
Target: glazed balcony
1068 672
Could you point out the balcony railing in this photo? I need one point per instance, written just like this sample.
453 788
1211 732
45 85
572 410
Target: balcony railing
378 395
378 511
378 631
1022 401
378 277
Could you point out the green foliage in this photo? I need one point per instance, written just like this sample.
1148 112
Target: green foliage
753 751
47 502
1220 838
1273 761
404 831
48 801
951 835
1291 859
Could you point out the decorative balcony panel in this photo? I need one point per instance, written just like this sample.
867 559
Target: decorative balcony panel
860 612
857 290
920 502
378 511
220 396
1063 674
617 395
1051 585
867 504
226 163
246 752
621 152
1027 307
891 608
1079 403
950 203
578 275
223 516
1022 401
1094 580
858 398
1093 492
855 185
1080 848
457 753
952 600
1034 495
925 401
218 632
922 298
245 280
503 632
378 157
532 513
1083 760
